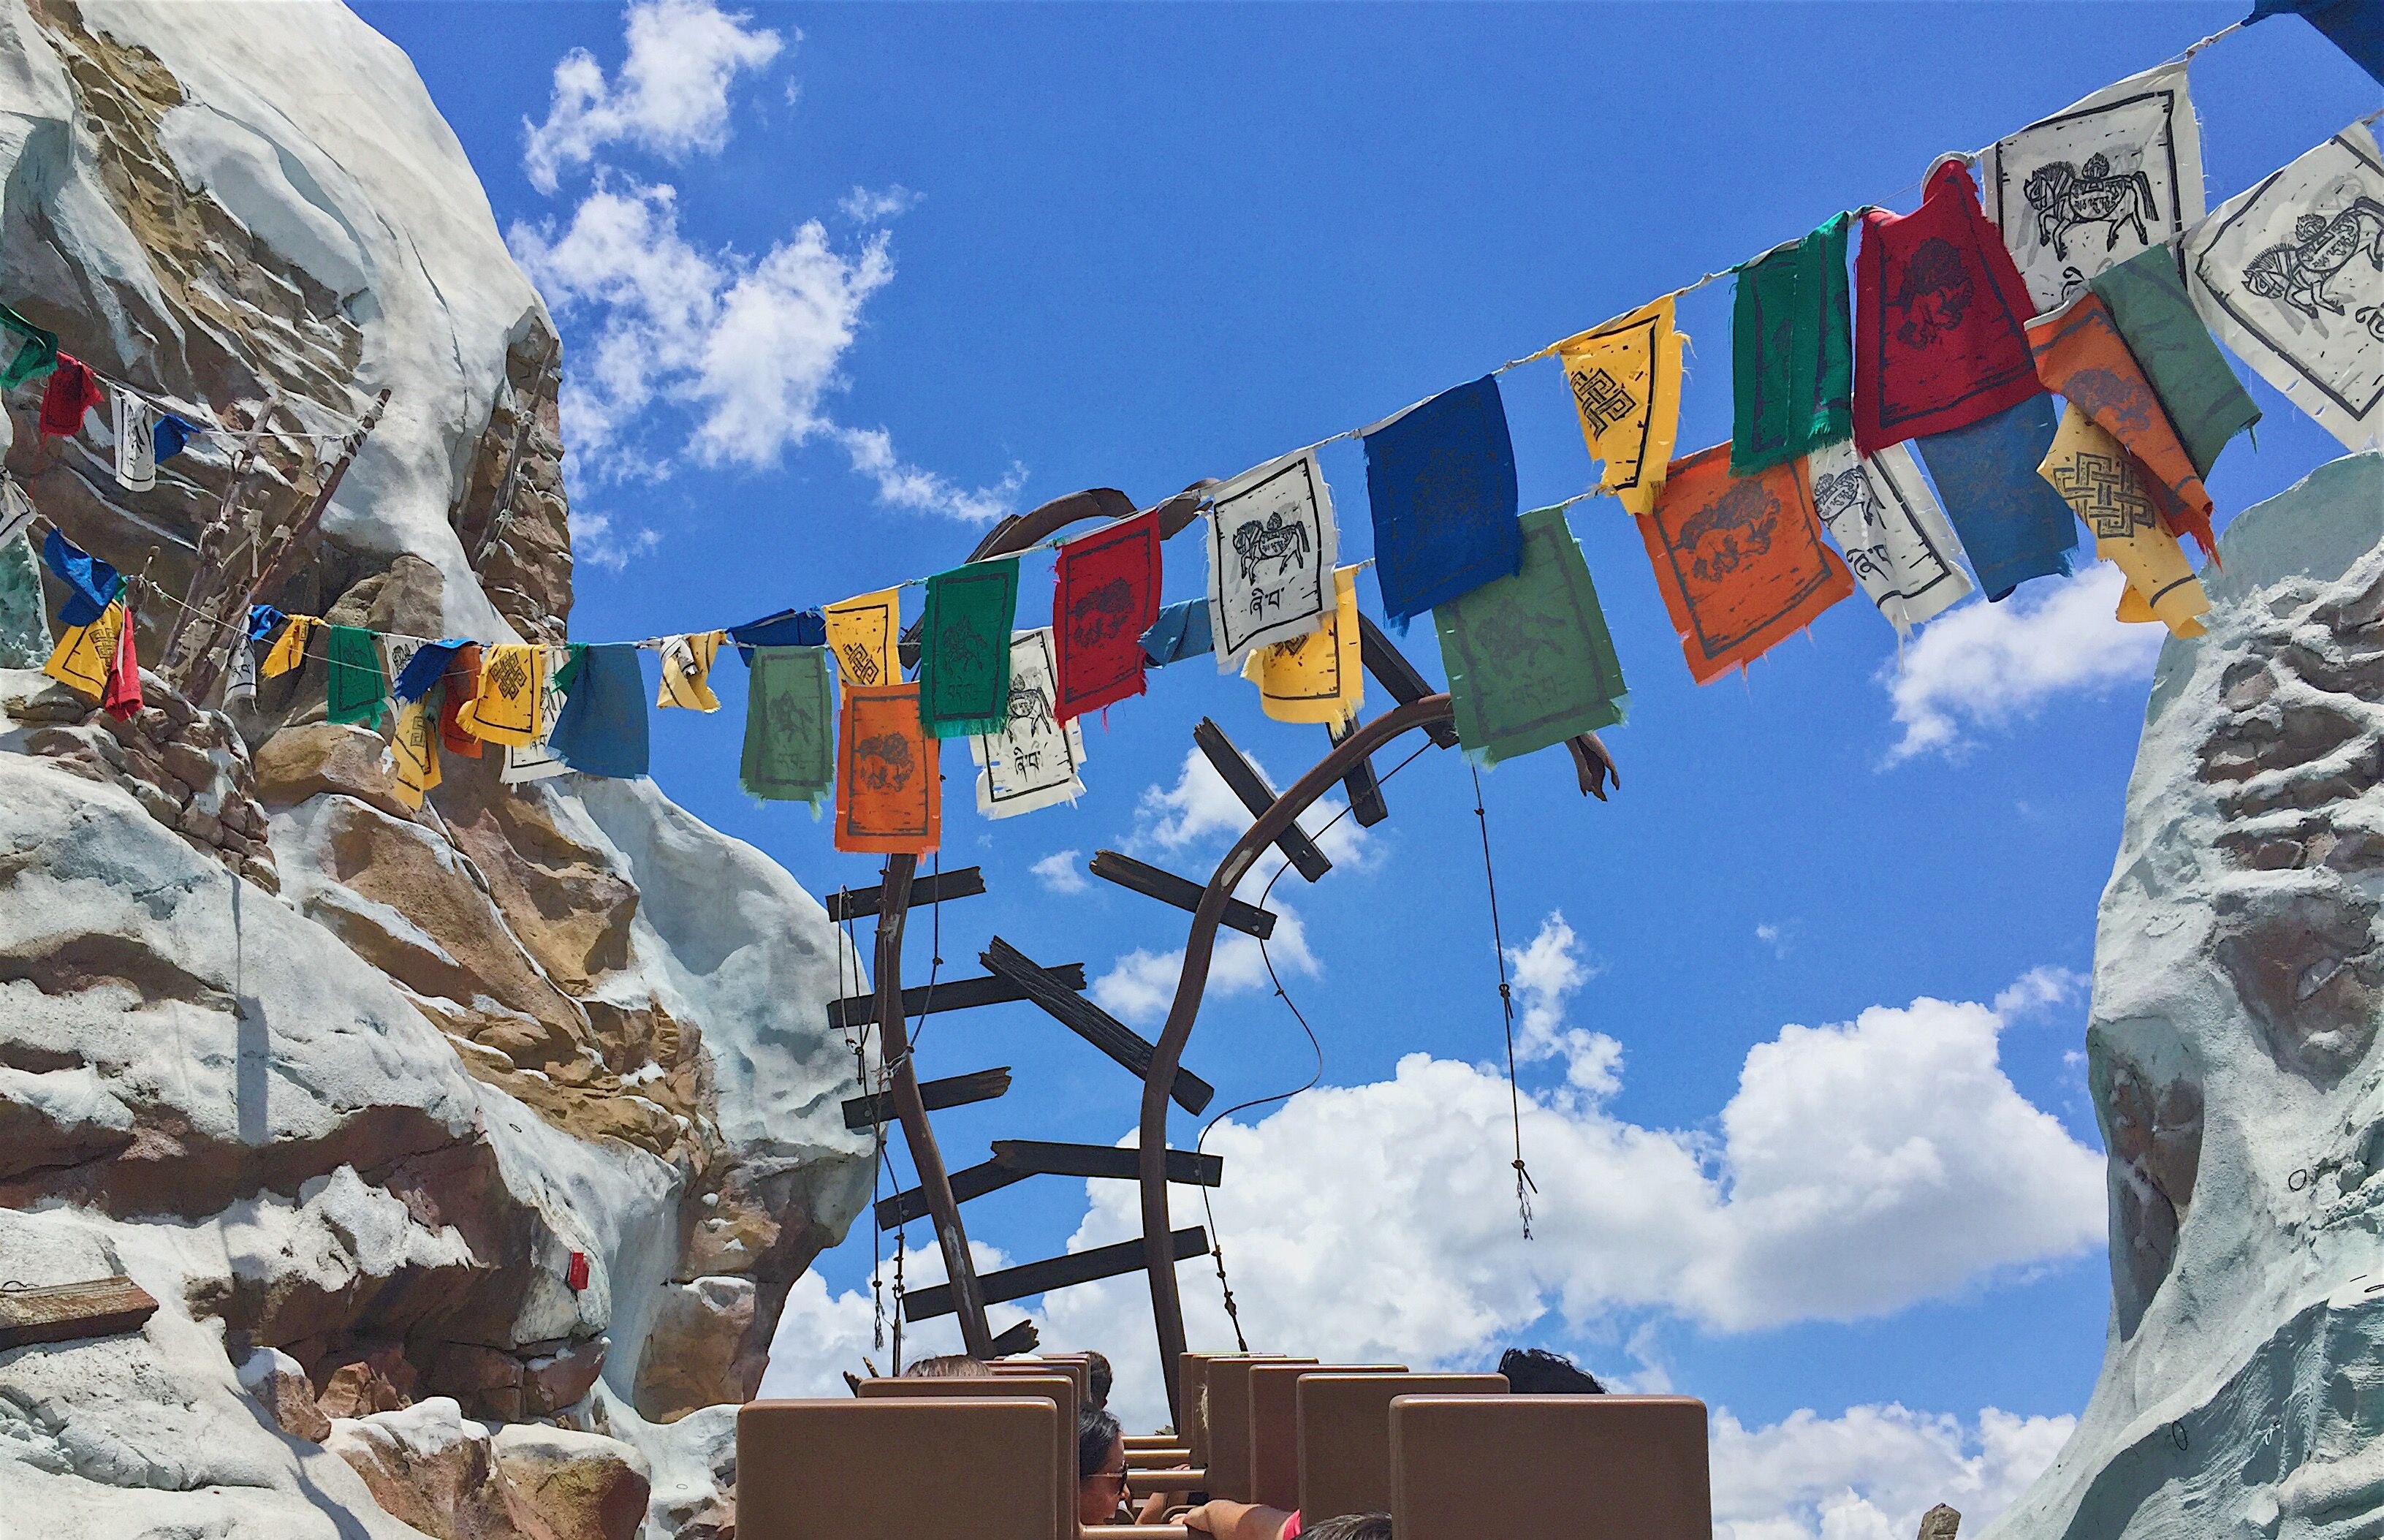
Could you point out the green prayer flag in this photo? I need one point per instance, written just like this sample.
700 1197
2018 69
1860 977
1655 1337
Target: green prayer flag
358 689
37 351
790 726
2204 401
1791 351
563 678
965 649
1529 658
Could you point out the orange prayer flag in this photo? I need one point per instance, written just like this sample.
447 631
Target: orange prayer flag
1740 559
2080 356
888 786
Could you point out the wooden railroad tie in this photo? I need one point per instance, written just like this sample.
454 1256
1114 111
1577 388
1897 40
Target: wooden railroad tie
1152 882
1078 1267
1020 1338
1016 1159
951 994
1393 672
1048 989
1243 778
956 1090
62 1312
862 903
1366 803
971 1182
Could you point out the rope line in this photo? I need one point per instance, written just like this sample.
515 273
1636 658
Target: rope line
1524 1186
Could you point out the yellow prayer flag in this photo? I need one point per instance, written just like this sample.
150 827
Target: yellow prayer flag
1315 677
2100 481
289 650
509 709
861 632
415 748
687 665
1625 380
83 656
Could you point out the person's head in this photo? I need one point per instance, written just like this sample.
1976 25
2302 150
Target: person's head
1098 1375
1352 1526
1100 1466
1538 1372
951 1366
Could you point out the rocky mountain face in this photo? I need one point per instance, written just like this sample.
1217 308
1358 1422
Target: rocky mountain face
469 1152
2239 980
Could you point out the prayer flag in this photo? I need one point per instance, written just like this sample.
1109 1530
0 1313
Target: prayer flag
86 654
687 671
787 628
1944 337
1888 523
537 760
2290 275
2080 354
1440 478
240 686
790 725
1317 677
16 512
136 445
414 752
1791 351
121 698
72 391
2012 525
964 648
37 351
2097 182
1037 759
169 435
2354 25
91 582
1106 597
459 685
862 632
601 729
1181 632
357 689
1625 378
2206 405
2096 476
1740 560
424 667
510 707
396 655
888 794
289 650
1530 660
1272 542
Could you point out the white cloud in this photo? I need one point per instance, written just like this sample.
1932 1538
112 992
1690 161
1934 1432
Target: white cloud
1775 936
2039 989
865 205
1871 1473
1547 973
1141 984
671 97
1199 809
1059 874
901 485
1986 665
595 542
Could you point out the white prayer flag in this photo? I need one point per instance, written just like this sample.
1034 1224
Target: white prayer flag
243 687
136 443
1894 533
2291 276
1271 550
537 761
2091 186
1034 761
395 653
16 508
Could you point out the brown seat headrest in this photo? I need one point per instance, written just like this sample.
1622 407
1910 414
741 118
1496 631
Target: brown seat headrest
1345 1435
933 1467
1607 1467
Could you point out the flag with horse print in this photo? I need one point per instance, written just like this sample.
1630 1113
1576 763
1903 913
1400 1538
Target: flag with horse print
1440 478
964 648
1106 597
1319 676
2095 183
2291 276
1272 544
1889 525
1626 381
888 794
1530 660
1740 560
1036 760
790 726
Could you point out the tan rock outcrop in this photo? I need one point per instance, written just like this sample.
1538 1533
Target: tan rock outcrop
566 1485
701 1348
326 757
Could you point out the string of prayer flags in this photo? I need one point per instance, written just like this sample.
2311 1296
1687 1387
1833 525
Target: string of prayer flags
1740 560
1625 378
85 654
862 632
2097 182
37 350
1181 632
1318 676
1271 545
91 582
2198 391
70 394
509 708
1440 478
964 648
413 753
786 628
2097 477
289 650
1107 595
1791 351
601 729
136 443
2080 356
536 760
1891 529
1038 759
121 696
459 687
2012 525
687 671
423 668
1943 338
2354 25
790 726
357 687
2288 276
1530 660
888 794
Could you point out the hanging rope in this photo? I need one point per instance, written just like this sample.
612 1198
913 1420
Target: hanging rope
1524 1186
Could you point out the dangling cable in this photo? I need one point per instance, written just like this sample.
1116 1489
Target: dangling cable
1524 1185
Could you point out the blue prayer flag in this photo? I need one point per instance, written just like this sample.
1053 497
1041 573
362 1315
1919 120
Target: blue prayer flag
1181 632
93 581
428 665
168 436
264 622
787 628
603 729
2014 526
2354 25
1441 481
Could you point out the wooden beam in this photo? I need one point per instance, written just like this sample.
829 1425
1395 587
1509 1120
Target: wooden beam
1020 1338
951 994
1366 803
1393 672
861 903
1078 1267
61 1312
1035 1156
956 1090
1152 882
974 1182
1243 778
1097 1026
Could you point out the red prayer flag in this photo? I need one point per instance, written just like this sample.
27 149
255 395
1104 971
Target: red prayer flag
1740 559
462 680
73 390
122 697
1942 318
889 786
1106 596
2081 355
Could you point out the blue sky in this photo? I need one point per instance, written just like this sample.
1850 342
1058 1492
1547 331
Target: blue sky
836 281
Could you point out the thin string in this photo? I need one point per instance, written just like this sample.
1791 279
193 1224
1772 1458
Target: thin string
1524 1185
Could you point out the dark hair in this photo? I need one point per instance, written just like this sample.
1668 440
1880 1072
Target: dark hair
1352 1526
1538 1372
951 1366
1100 1376
1095 1431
